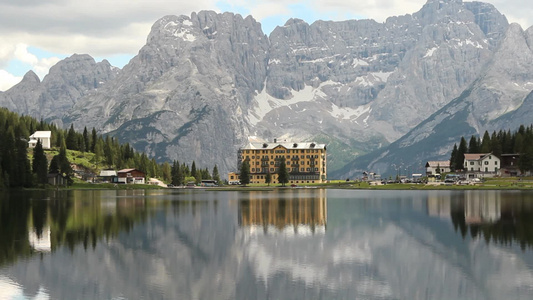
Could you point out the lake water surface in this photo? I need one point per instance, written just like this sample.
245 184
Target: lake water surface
281 244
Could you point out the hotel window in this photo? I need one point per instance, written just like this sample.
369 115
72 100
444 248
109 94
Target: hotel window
496 163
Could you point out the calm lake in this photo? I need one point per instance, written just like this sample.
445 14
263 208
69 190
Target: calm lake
281 244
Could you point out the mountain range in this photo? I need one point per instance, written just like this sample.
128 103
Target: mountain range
400 92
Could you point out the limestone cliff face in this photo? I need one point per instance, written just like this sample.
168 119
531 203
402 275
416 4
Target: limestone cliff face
184 96
67 82
204 84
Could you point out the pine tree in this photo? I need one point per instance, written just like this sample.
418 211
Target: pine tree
460 158
283 174
72 140
245 172
496 145
486 145
216 176
193 170
473 146
23 169
525 162
94 139
453 157
108 152
268 178
86 140
40 164
64 164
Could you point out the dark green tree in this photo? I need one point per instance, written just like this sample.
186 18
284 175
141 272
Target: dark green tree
86 140
486 145
194 172
283 173
94 139
72 139
525 162
108 152
245 172
40 164
22 173
473 145
268 178
216 176
460 158
496 145
453 157
54 165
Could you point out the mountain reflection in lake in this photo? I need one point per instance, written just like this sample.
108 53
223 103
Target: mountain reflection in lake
281 244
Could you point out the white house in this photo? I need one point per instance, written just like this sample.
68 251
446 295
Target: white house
44 136
442 166
481 164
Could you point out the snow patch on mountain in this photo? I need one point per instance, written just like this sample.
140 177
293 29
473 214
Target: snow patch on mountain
347 113
430 52
265 103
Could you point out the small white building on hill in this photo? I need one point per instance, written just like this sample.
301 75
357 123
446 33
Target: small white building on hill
44 136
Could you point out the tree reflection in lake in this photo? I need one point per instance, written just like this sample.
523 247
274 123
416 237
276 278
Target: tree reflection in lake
281 244
32 222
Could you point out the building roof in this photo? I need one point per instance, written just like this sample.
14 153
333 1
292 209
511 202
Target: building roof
286 145
435 163
476 156
127 170
106 173
41 134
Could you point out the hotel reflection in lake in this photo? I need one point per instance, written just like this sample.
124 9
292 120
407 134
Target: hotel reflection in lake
478 208
300 213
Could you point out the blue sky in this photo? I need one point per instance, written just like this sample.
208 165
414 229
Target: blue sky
36 34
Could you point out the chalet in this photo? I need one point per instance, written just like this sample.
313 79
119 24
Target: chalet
481 165
437 167
44 136
131 176
108 176
509 165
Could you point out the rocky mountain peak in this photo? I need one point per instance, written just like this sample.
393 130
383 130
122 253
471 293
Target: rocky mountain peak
31 78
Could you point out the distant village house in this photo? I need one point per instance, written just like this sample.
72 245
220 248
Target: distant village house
131 176
481 165
44 136
437 167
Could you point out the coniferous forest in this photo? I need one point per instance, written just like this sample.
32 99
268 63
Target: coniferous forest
24 167
498 143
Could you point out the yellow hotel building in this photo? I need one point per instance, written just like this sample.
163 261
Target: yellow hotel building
305 162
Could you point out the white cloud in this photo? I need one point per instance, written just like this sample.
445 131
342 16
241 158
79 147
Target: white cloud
21 53
8 80
265 10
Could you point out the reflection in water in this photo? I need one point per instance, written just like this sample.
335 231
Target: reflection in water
37 222
193 244
504 217
292 214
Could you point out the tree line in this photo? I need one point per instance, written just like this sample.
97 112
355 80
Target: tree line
16 169
498 143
